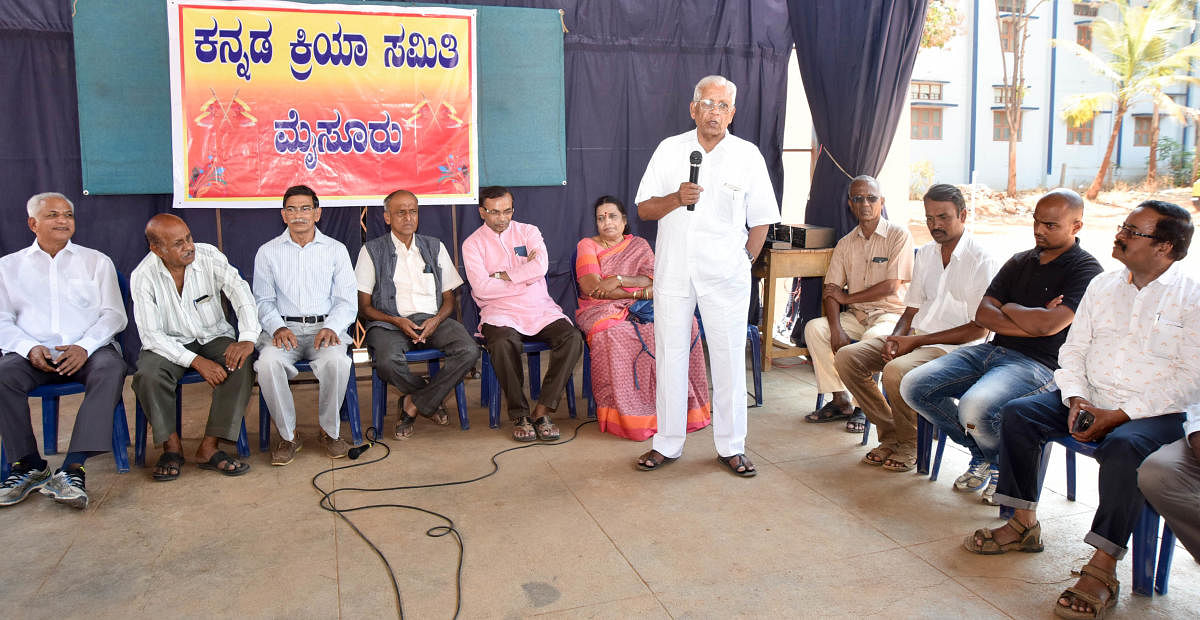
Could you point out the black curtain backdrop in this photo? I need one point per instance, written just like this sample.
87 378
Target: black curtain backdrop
855 59
630 69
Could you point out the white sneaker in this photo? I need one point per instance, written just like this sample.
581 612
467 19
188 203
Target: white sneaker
67 487
20 483
974 478
989 492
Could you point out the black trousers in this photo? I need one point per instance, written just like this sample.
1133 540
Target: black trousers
504 345
1026 425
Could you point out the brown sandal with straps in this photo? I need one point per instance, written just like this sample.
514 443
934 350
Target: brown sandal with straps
523 430
546 430
1029 540
1076 596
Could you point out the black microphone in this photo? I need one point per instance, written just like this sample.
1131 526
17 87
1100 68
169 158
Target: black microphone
695 158
356 452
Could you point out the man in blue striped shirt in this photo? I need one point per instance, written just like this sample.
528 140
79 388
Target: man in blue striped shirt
304 287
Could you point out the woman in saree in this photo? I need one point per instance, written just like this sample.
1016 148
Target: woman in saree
616 270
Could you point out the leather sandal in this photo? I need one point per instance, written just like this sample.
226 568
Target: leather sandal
877 455
523 430
545 429
1029 540
653 460
1076 595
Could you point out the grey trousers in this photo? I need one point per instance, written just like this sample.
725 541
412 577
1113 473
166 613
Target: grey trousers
388 346
103 376
156 379
1170 481
276 366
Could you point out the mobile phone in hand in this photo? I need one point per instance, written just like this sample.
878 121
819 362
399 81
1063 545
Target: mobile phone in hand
1083 421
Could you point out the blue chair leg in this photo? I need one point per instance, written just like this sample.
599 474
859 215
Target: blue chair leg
50 425
924 445
485 371
243 443
264 424
460 397
3 463
571 396
866 432
350 409
588 393
755 339
1145 548
120 439
139 431
378 402
1070 474
937 460
820 401
1163 573
493 390
535 375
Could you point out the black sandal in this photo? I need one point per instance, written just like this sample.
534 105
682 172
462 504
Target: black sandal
171 463
653 460
545 429
857 422
828 413
215 464
404 422
739 460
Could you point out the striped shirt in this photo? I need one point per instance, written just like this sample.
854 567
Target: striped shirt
313 280
168 319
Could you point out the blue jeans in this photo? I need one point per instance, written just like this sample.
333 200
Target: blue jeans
983 378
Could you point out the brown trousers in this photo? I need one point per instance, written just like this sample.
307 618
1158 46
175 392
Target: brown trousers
894 420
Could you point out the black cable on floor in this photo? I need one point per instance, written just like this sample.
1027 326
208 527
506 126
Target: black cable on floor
372 437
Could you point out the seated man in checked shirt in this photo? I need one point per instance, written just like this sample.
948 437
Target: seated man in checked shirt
1129 369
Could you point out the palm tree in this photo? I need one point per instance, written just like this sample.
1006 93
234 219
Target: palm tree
1143 61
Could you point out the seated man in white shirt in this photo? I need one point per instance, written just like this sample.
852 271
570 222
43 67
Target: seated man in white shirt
406 285
950 275
304 286
1128 370
177 305
1170 480
60 308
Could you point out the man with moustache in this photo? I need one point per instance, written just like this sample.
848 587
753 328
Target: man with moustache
702 261
304 287
406 284
1029 305
949 278
868 273
506 263
177 306
1131 364
60 309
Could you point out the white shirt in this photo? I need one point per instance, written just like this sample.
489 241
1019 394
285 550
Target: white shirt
947 297
1192 425
700 248
316 279
168 319
71 298
415 289
1135 350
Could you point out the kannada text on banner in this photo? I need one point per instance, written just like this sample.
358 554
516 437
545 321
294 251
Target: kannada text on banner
353 101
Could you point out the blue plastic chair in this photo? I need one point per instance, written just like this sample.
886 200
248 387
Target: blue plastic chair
349 412
140 423
379 388
925 437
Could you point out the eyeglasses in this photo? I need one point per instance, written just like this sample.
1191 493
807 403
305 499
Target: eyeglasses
507 212
861 198
708 105
1131 231
304 209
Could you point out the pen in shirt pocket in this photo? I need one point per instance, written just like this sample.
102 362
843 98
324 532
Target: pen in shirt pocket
196 301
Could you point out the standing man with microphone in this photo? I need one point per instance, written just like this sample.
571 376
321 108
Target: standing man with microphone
702 258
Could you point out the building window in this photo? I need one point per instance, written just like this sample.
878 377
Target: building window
1000 130
1008 41
926 123
1087 9
1010 6
1001 95
1081 134
1141 131
1083 35
925 91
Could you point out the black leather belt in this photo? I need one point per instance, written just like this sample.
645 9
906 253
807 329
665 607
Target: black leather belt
305 319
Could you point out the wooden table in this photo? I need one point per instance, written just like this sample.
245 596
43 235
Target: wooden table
775 264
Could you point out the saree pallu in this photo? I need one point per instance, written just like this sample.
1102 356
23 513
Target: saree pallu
622 353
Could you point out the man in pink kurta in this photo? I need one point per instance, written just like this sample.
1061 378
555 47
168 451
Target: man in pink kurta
506 265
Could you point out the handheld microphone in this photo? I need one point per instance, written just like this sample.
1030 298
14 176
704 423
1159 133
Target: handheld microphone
695 159
357 451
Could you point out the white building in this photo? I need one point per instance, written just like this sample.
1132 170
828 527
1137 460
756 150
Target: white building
958 125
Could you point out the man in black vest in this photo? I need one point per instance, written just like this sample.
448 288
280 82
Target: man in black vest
406 288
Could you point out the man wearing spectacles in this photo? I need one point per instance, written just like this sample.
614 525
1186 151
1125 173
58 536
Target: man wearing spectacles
1029 305
1128 370
702 260
304 288
406 284
868 273
506 263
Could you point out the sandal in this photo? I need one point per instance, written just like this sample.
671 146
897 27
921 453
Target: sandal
652 460
438 417
1076 595
828 413
404 422
523 429
545 429
1030 540
878 455
857 421
739 465
168 467
222 463
900 461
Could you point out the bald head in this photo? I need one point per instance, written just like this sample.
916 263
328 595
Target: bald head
1065 197
1057 217
170 240
159 223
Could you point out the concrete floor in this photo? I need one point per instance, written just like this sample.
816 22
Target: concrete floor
561 531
